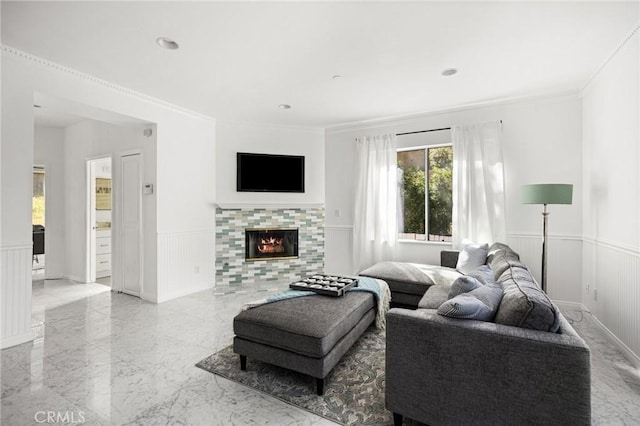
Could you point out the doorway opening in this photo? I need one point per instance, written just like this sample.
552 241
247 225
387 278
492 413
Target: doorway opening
38 222
100 219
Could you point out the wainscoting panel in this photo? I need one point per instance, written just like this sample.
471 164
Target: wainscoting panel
615 295
185 263
231 266
15 294
338 246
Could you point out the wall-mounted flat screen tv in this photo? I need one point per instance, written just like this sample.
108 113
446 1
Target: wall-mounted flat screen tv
270 173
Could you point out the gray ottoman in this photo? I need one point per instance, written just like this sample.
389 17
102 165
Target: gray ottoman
306 334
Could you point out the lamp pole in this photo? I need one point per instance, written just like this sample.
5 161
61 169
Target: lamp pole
545 194
545 216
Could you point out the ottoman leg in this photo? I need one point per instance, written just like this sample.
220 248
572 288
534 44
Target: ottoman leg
397 419
320 386
243 362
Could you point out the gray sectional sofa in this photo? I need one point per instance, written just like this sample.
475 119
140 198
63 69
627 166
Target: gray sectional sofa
527 365
408 282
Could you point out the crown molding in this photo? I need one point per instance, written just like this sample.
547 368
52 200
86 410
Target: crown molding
613 54
316 130
98 81
409 118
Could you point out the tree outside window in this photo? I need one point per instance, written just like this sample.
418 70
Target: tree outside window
426 193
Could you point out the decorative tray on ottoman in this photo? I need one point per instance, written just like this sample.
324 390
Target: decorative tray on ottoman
329 285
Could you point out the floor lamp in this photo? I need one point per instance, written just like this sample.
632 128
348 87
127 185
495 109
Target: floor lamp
547 193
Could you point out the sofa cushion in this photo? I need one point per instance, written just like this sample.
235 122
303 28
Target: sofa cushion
502 258
471 256
524 304
435 296
479 304
406 300
483 273
449 258
463 284
495 248
411 278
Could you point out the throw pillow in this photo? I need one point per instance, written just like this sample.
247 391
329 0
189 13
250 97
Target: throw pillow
479 304
463 284
472 255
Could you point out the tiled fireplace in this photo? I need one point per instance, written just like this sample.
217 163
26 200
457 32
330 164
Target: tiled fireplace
260 244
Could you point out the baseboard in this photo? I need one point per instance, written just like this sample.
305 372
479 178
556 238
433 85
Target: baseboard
147 296
633 358
54 277
208 286
75 279
19 339
573 306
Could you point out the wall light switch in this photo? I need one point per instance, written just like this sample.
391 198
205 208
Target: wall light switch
147 189
337 212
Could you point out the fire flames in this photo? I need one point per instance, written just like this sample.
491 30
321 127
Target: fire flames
271 245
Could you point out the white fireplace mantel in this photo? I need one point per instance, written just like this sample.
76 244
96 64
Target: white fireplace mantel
270 206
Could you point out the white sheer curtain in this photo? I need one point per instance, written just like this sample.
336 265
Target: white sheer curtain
478 184
375 231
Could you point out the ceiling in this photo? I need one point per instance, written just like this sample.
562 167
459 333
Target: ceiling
240 60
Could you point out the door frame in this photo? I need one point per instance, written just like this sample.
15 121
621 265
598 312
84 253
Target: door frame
119 215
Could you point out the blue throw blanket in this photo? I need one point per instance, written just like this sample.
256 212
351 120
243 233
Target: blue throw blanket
379 288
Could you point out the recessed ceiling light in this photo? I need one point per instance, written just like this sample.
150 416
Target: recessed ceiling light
449 71
335 77
284 106
167 43
36 106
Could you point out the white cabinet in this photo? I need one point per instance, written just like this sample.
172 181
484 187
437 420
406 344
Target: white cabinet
103 253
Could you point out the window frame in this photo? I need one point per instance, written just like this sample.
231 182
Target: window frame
425 149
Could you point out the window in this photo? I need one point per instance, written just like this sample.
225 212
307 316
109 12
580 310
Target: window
37 213
426 182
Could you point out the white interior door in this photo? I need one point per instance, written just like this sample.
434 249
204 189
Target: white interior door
131 213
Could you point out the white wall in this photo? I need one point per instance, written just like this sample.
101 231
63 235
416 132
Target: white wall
16 158
77 148
542 142
185 186
49 152
611 220
235 137
91 139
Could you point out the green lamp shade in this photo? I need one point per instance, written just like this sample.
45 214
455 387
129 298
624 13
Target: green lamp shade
547 193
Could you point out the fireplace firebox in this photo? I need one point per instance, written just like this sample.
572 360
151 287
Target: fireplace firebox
264 244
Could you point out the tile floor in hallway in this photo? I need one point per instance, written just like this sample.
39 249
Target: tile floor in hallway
113 359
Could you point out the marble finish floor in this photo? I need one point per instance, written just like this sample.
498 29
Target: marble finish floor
104 358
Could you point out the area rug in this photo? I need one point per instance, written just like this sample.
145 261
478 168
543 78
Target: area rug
354 390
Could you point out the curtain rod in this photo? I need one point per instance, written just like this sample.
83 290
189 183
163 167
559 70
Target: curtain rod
427 131
423 131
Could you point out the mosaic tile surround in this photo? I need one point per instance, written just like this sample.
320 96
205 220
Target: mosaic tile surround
231 266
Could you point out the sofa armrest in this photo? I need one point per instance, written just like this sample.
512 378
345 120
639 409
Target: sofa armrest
447 371
449 258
